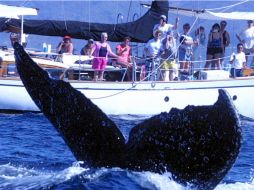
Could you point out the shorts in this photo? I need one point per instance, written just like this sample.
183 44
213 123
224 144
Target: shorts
236 72
99 64
185 55
169 64
214 50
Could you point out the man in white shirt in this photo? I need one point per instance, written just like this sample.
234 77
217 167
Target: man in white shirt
246 37
151 51
153 46
238 61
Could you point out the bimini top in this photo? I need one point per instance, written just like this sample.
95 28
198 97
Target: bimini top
215 13
209 15
7 11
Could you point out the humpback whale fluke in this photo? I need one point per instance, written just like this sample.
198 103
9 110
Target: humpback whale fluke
198 144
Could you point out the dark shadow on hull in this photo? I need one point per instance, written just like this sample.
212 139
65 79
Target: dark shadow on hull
198 144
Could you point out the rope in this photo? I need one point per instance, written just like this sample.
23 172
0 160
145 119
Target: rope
65 22
127 19
227 7
149 75
89 15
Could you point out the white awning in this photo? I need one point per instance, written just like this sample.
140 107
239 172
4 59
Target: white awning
209 15
14 12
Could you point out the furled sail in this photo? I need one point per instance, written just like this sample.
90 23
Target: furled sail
139 30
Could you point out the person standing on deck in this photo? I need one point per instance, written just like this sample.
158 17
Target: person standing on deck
214 47
168 53
151 52
164 27
185 50
238 62
225 39
246 37
199 52
101 51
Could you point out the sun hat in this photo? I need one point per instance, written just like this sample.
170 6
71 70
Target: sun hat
67 37
163 17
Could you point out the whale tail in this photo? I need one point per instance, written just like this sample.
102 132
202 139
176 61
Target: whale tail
89 133
198 144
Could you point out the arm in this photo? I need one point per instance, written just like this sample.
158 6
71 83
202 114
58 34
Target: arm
227 39
232 58
70 48
176 23
110 52
59 47
238 36
119 50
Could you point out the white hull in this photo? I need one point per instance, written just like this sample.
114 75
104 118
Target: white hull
144 98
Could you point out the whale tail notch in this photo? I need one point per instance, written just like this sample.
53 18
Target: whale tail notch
198 144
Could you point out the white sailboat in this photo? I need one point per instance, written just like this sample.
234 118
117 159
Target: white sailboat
135 97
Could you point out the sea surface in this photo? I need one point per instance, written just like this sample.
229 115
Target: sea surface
33 155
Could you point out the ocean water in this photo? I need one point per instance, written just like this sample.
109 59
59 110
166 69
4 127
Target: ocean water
107 12
34 156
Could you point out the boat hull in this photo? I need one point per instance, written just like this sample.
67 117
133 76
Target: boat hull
146 98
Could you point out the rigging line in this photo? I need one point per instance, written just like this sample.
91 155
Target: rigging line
230 6
65 23
127 19
22 4
117 10
149 75
89 15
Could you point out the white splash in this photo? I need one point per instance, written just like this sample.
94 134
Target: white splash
12 177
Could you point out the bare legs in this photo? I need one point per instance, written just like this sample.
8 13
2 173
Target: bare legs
98 75
216 58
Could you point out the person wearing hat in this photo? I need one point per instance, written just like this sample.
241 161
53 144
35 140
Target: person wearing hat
246 37
164 27
152 53
65 46
87 49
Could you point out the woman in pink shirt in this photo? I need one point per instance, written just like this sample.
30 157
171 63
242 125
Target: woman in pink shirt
123 50
101 51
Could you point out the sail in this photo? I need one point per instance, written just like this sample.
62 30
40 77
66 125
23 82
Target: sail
139 30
